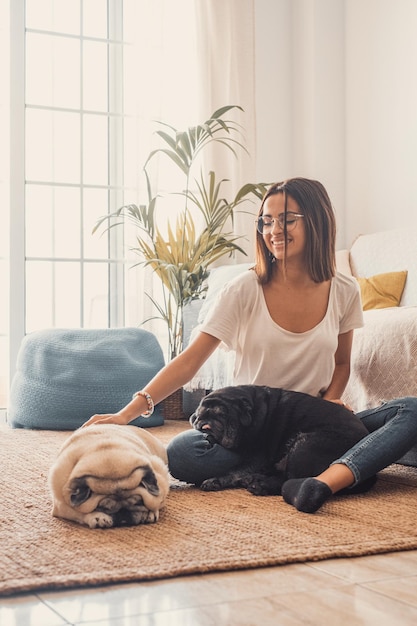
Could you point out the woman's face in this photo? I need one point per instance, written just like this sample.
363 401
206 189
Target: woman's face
274 207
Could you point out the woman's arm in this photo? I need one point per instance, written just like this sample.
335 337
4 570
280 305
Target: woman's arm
342 368
170 378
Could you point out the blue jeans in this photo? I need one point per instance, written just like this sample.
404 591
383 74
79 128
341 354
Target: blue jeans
392 432
392 427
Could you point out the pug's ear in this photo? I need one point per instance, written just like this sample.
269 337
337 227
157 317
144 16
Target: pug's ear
80 491
149 481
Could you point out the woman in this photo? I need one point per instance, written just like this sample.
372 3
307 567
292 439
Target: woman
290 321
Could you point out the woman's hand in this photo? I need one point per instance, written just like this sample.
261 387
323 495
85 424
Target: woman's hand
107 418
173 376
339 401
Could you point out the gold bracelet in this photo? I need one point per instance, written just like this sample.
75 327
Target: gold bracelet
148 398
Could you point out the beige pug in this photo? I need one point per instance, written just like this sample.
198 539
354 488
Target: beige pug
110 475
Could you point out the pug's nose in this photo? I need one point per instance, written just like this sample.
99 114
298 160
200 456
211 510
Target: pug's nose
120 494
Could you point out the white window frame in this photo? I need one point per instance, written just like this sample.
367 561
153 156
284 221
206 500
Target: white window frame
116 260
17 181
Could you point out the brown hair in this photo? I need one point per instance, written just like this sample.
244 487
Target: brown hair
320 228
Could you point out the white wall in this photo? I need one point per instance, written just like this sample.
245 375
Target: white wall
273 87
381 115
336 89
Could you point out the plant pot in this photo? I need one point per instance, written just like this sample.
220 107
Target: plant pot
172 406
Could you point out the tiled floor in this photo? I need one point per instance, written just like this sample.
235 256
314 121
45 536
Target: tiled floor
378 590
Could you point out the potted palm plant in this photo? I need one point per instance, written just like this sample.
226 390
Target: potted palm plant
179 250
182 256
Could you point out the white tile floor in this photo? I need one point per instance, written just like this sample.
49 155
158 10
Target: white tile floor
378 590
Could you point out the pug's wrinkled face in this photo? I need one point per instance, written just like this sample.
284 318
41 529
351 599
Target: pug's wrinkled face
221 414
110 475
108 503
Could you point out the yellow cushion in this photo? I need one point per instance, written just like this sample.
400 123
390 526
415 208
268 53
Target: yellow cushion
382 290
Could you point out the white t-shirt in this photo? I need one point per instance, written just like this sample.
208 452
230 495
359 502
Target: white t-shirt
267 354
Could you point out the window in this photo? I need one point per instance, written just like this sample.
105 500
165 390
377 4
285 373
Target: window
88 76
73 57
4 199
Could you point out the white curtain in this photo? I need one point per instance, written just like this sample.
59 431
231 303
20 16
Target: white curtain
161 85
226 64
192 57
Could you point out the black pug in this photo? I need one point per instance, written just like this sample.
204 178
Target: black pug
280 434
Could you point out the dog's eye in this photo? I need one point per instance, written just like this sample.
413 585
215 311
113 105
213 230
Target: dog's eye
80 494
149 481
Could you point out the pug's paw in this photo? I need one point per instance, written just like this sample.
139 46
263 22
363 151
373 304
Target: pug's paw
145 517
98 519
258 489
211 484
261 485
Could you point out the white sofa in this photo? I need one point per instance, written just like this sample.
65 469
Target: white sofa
384 352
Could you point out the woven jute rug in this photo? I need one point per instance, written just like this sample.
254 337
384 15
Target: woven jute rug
197 532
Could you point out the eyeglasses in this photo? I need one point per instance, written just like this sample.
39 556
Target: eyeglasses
265 224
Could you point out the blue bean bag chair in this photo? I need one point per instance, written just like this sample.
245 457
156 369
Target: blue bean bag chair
63 377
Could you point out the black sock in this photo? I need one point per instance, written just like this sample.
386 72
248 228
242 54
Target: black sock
306 494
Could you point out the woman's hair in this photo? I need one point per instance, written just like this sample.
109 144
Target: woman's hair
320 229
